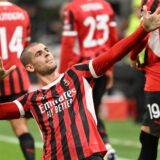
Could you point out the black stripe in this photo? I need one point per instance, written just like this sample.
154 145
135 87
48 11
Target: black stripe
154 5
71 18
40 118
62 127
79 96
82 59
146 57
50 120
74 129
2 88
11 83
24 100
20 79
82 67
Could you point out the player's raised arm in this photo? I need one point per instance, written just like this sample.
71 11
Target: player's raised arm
3 72
119 50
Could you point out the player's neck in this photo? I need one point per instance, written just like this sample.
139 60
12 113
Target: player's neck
47 79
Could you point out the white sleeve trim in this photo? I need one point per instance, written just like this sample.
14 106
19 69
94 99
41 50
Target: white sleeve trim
20 107
69 33
92 69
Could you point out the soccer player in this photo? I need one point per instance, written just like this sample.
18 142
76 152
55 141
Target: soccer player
91 27
150 130
63 105
14 36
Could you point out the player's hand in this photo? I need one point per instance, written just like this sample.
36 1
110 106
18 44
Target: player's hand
135 64
3 72
151 21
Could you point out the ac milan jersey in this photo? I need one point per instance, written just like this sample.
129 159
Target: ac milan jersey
152 61
65 114
14 36
93 23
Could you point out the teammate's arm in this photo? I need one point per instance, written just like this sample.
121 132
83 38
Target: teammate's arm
69 36
67 53
113 29
28 31
134 54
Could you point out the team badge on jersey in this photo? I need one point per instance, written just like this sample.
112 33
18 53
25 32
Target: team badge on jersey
66 82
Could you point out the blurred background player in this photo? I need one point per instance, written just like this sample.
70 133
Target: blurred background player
150 129
89 29
14 36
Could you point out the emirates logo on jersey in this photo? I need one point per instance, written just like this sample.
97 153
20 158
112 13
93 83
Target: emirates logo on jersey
59 104
66 82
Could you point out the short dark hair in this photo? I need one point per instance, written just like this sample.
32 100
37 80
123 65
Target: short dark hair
25 55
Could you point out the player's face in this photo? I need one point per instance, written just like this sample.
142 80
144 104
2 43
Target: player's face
42 60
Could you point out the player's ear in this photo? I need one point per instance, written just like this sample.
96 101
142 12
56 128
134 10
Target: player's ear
29 68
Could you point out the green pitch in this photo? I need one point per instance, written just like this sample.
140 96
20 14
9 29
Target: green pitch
123 136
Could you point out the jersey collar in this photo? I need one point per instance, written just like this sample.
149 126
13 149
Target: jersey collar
53 83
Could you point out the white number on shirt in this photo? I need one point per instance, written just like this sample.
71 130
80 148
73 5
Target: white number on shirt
154 110
15 44
99 23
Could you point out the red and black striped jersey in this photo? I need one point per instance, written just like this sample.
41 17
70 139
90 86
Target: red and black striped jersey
151 4
151 60
64 109
65 114
14 36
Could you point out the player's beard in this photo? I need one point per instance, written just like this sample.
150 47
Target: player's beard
49 70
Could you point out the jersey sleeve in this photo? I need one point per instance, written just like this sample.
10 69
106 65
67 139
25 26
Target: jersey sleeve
15 109
113 28
9 110
84 69
134 53
70 27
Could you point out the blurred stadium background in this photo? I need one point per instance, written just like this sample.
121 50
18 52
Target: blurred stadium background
120 106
